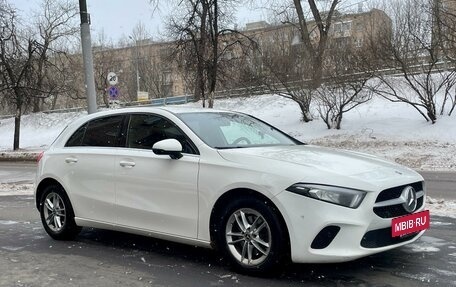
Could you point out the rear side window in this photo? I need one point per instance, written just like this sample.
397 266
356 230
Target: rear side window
101 132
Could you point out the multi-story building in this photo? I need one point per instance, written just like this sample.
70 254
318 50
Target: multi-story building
151 66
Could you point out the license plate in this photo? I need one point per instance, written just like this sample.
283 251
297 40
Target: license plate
410 223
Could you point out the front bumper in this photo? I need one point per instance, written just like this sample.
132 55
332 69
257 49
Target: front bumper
361 232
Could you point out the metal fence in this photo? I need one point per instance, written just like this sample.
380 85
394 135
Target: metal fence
178 100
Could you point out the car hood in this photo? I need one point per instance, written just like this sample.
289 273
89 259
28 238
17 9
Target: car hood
308 163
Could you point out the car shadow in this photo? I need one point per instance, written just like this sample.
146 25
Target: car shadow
361 272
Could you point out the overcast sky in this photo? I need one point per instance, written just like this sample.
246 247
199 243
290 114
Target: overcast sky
118 17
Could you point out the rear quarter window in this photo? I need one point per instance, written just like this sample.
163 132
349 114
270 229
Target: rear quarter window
77 137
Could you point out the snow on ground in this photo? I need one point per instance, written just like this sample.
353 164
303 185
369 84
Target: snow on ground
16 189
38 130
441 207
394 131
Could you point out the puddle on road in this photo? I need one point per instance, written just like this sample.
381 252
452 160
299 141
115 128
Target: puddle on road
8 222
438 223
12 248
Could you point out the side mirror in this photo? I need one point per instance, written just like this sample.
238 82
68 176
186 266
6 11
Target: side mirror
170 147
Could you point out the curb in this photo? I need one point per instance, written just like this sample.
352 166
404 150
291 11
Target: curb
25 156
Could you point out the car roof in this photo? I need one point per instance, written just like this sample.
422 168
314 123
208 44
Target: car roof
170 109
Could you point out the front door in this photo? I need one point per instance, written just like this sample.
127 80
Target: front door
155 192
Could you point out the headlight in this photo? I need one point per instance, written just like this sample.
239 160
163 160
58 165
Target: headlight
338 195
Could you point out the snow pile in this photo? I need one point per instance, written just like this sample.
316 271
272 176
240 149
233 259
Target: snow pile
16 189
38 130
24 155
441 207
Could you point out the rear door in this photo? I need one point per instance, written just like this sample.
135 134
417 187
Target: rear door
88 166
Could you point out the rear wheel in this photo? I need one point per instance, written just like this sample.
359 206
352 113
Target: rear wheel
57 214
251 236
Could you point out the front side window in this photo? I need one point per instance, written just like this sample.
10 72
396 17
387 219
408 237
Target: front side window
145 130
231 130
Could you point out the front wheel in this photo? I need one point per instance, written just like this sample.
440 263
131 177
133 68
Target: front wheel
251 236
57 214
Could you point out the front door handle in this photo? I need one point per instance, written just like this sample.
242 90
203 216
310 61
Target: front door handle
127 164
71 160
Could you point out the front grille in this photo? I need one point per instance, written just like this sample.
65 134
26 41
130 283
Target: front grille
382 237
388 204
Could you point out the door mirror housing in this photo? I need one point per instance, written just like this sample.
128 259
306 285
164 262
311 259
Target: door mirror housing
171 147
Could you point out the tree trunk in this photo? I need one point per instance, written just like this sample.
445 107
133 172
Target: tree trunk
305 111
211 100
17 127
36 105
201 55
54 102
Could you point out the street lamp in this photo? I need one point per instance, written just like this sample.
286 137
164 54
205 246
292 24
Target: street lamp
137 65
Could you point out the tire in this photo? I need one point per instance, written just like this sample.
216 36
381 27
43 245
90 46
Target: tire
57 214
251 236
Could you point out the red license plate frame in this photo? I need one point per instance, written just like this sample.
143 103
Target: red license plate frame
410 223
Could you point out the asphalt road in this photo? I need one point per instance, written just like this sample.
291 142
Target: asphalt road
17 172
440 184
28 257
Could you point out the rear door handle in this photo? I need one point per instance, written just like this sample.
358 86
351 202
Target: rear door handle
127 164
71 160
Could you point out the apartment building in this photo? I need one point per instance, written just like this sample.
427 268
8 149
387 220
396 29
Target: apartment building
151 66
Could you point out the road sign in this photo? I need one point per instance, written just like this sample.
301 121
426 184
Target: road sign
112 78
143 96
113 92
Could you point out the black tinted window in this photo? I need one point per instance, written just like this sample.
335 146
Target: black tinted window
145 130
103 132
76 138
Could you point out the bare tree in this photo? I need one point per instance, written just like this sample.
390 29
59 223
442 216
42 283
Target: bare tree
200 33
25 60
416 52
56 25
345 85
339 97
298 70
444 13
16 62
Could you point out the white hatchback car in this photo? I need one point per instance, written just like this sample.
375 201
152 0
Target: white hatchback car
226 180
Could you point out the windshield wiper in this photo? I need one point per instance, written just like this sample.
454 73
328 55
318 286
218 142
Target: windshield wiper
229 147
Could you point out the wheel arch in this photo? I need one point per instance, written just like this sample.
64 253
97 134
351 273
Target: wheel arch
42 186
244 192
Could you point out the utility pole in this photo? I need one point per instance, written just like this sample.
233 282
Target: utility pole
86 43
137 64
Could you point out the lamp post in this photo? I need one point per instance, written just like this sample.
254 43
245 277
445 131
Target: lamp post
137 65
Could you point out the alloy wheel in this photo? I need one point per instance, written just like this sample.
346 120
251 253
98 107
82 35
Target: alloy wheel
54 212
248 236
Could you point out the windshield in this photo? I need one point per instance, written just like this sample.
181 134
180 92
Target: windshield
230 130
